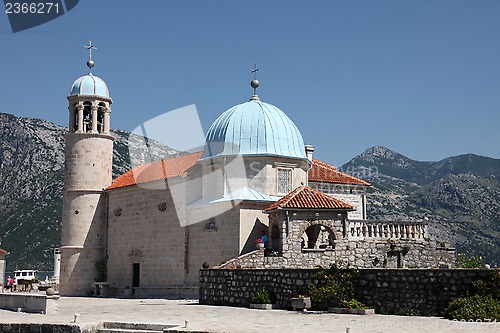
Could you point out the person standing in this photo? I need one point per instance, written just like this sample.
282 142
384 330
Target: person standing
10 283
265 240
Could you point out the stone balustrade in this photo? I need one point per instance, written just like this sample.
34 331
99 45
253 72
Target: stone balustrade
374 229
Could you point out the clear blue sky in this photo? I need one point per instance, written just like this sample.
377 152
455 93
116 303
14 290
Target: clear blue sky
420 77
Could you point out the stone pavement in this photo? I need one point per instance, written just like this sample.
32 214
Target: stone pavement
93 311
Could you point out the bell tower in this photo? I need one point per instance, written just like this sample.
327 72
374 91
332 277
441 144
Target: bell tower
88 170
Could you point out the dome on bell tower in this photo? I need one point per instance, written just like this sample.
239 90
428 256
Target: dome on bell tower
89 85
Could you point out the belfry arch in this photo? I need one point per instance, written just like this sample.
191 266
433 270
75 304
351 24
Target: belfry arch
89 115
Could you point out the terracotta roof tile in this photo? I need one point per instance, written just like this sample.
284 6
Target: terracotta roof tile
327 173
162 169
2 251
305 197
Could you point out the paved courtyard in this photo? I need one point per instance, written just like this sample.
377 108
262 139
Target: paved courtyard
92 311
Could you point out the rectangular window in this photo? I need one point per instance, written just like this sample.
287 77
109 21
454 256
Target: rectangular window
284 181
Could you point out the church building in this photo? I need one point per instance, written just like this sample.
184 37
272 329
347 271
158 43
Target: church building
150 231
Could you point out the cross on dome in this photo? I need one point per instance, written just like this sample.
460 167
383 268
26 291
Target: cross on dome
90 47
254 71
255 83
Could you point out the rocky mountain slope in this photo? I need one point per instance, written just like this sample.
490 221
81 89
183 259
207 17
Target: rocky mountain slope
31 182
459 196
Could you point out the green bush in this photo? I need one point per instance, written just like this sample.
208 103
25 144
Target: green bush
353 304
490 286
474 307
263 296
463 261
334 286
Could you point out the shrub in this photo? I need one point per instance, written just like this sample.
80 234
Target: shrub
490 286
463 261
263 296
334 286
353 304
477 307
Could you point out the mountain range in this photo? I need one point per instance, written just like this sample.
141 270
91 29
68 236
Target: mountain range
459 196
31 183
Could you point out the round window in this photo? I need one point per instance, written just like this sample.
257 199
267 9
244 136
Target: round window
162 207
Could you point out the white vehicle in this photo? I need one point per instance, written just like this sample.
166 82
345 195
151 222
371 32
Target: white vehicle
25 275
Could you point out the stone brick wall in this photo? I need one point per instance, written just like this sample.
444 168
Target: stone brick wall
355 254
212 245
307 239
37 328
389 290
88 165
144 228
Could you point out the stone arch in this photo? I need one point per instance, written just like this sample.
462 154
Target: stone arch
102 107
87 116
73 116
317 235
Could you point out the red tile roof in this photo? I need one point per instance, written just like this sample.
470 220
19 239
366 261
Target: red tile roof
327 173
2 251
305 197
162 169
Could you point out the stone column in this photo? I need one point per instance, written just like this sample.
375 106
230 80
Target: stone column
80 117
95 108
107 125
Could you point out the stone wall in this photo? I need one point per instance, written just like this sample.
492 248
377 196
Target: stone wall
307 239
212 245
37 328
144 229
29 303
356 254
390 291
88 165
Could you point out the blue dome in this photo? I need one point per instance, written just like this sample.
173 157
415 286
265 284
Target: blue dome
89 85
254 128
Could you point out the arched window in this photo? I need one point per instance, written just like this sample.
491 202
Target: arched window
100 117
87 117
74 118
